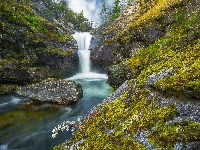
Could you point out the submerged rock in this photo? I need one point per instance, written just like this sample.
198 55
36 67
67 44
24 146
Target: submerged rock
53 91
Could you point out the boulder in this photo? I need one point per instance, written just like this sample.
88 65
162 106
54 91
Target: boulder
53 91
118 74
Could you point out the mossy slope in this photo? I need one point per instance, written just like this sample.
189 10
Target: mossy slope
31 47
169 65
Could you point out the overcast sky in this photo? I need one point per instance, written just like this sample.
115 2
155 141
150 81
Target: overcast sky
91 8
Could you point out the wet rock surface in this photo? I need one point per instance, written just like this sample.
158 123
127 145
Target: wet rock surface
93 42
102 57
52 91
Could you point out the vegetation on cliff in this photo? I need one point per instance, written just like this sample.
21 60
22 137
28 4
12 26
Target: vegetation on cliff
163 75
35 46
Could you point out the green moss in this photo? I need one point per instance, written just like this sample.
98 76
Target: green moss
31 20
122 71
59 51
176 50
186 72
150 14
166 136
20 13
115 124
123 120
58 147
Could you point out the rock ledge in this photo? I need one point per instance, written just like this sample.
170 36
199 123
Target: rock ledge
57 91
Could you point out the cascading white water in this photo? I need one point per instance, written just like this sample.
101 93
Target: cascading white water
83 41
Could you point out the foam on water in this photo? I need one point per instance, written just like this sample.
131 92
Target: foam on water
3 104
91 75
4 147
10 102
15 100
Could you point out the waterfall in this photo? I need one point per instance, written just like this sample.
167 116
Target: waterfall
83 41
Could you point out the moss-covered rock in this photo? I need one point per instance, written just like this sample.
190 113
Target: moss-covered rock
134 119
118 74
32 47
158 107
140 25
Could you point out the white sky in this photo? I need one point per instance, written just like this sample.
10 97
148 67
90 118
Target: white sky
90 9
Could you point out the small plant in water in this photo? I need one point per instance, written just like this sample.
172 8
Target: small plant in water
65 126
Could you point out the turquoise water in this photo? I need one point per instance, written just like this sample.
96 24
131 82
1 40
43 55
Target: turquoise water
32 130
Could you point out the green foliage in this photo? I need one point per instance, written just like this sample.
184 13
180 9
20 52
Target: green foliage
77 19
111 13
116 10
105 12
32 20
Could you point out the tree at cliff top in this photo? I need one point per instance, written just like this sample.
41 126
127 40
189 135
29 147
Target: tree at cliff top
116 10
105 12
61 11
111 13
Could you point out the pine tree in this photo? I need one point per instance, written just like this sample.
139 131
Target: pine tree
116 10
104 12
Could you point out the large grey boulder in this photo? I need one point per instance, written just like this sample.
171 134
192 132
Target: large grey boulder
53 91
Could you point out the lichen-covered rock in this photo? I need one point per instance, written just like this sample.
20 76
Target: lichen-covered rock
152 79
118 74
53 91
140 119
159 107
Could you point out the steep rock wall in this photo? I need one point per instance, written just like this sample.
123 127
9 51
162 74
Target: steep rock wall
31 47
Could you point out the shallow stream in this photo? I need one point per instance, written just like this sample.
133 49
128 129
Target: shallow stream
32 130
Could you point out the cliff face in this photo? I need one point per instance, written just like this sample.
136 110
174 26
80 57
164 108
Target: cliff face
157 106
140 25
33 48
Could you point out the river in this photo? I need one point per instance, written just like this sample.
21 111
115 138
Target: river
32 130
